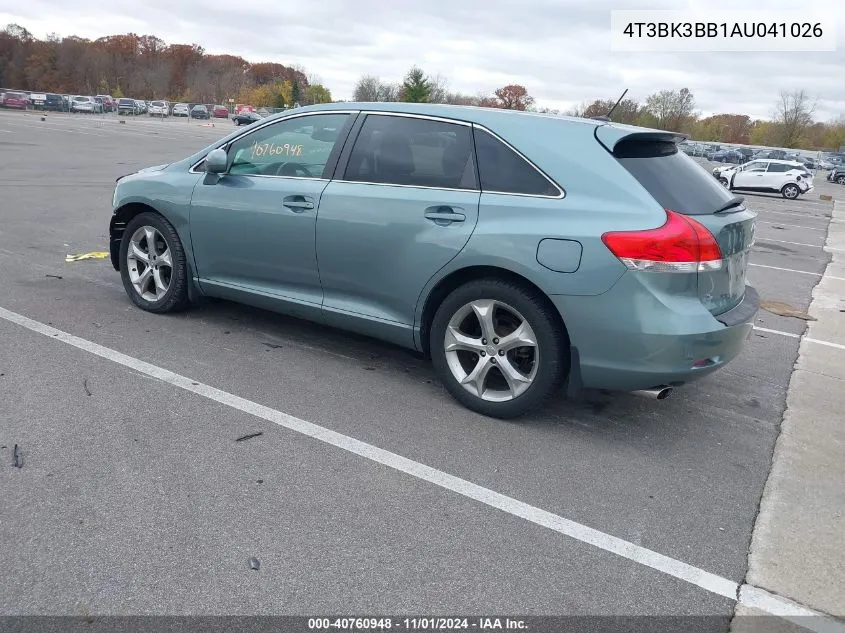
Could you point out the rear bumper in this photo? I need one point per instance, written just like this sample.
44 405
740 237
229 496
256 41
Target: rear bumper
642 341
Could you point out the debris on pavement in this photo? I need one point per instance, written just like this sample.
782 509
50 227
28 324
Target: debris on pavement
273 346
243 438
85 386
91 255
254 563
784 309
17 457
55 276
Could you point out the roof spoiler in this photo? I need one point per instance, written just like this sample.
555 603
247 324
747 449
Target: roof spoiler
611 135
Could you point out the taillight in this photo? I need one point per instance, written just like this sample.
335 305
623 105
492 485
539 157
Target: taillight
681 245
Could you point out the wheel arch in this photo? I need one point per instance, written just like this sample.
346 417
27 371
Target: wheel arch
122 216
465 275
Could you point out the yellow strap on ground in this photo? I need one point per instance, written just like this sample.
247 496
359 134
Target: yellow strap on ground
92 255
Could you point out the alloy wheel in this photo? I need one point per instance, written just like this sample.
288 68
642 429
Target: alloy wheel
149 263
790 192
491 350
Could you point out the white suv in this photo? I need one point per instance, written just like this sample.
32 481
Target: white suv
786 177
159 108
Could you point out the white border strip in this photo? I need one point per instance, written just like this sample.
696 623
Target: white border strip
708 581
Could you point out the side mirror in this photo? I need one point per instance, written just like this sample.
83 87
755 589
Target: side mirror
216 161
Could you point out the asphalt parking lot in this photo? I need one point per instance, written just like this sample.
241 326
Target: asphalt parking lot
135 498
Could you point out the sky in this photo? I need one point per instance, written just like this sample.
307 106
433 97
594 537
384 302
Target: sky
560 50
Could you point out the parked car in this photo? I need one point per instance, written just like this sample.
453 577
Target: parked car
837 175
512 272
220 112
200 112
246 117
15 100
159 108
85 104
109 103
127 106
788 178
728 156
264 112
47 101
181 109
141 106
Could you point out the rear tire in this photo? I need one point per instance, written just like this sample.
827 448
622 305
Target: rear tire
725 183
500 382
840 180
790 191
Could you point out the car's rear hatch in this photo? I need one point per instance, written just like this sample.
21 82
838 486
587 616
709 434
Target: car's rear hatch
680 184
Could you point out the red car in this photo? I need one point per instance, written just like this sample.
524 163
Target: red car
220 112
15 100
242 107
109 103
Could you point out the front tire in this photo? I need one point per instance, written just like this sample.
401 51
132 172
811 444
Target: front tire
153 265
790 191
498 348
840 180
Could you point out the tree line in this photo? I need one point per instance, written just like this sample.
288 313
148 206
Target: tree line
145 67
792 124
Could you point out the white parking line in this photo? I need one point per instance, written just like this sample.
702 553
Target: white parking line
806 338
625 549
793 226
792 270
767 239
797 215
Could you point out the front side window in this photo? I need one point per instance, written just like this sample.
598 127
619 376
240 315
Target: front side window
299 146
502 170
411 151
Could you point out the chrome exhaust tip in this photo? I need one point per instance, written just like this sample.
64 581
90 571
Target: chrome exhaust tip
656 393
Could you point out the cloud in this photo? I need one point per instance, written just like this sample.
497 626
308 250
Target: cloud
558 49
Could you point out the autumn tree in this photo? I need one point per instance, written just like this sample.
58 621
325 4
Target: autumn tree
317 93
295 93
727 128
416 88
673 109
514 97
793 115
625 112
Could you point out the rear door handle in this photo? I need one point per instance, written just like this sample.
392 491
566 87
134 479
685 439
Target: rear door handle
298 204
444 215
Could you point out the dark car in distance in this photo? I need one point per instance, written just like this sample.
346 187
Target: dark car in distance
246 117
200 112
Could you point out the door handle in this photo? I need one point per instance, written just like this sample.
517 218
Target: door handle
444 215
298 204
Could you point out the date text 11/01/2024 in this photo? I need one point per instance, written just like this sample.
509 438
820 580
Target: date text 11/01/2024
416 624
723 29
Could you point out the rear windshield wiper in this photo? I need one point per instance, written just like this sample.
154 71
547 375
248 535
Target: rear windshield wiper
735 201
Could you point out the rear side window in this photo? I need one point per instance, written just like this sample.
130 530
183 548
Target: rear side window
414 152
672 178
502 170
777 167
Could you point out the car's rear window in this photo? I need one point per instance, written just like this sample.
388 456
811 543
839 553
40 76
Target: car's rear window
158 104
674 179
126 102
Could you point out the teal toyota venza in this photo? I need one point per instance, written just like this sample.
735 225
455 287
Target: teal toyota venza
526 254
